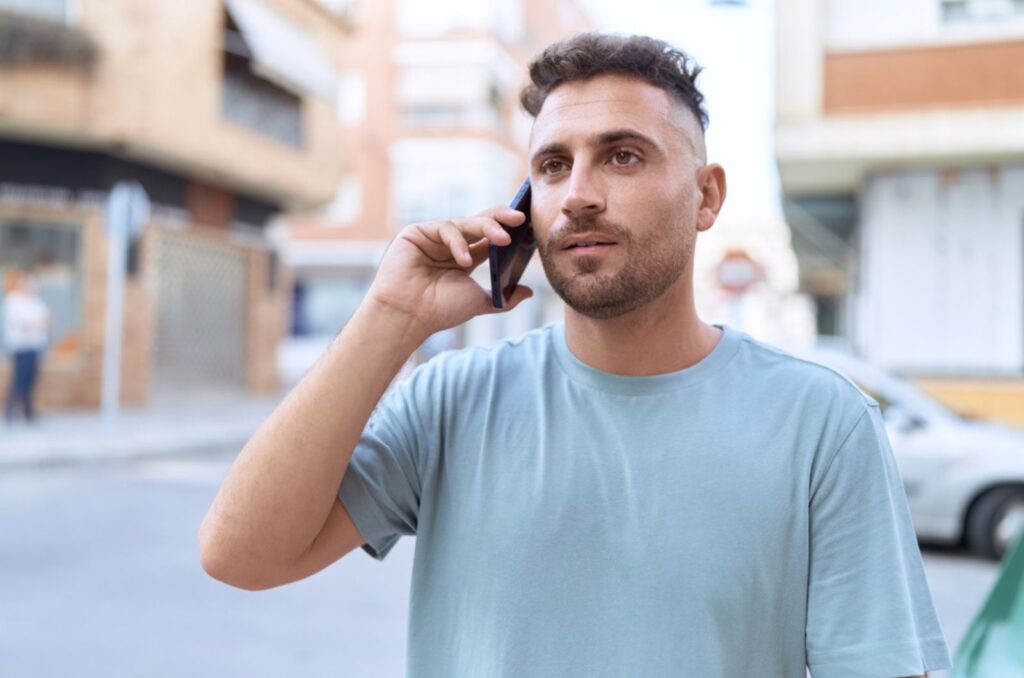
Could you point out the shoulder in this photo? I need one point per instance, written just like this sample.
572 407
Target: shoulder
520 350
802 374
15 304
13 298
463 371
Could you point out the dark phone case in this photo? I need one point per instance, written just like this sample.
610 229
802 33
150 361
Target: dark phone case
508 262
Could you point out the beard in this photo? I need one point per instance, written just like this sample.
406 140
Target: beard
653 264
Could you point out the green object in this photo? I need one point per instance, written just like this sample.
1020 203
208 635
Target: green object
994 644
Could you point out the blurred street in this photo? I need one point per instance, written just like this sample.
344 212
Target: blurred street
195 198
101 579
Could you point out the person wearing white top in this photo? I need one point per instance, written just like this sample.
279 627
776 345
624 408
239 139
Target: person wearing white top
26 328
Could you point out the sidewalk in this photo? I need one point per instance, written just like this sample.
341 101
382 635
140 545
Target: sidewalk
188 426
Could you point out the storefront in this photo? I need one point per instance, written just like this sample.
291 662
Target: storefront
205 304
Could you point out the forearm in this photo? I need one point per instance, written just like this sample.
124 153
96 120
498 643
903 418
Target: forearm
283 485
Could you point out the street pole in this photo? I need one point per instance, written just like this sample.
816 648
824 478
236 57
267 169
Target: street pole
127 214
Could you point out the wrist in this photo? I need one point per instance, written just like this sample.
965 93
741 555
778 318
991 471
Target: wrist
383 318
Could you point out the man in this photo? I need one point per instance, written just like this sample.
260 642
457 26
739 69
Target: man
26 323
630 493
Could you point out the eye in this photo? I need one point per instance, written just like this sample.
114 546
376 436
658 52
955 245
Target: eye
553 166
624 158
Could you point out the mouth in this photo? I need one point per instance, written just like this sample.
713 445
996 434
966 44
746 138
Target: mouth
587 244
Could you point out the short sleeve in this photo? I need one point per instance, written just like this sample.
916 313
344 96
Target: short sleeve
381 487
869 611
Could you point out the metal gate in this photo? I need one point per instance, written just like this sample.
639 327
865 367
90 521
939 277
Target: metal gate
199 285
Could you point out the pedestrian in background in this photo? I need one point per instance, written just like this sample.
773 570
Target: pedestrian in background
26 324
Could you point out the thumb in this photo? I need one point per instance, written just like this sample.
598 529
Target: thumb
520 294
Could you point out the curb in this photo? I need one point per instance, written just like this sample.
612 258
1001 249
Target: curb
80 439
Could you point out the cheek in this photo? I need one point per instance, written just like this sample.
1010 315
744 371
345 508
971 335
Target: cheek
544 210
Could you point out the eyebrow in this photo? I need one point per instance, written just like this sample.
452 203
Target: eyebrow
603 139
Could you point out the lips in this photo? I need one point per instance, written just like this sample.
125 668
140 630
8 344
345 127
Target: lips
587 241
588 244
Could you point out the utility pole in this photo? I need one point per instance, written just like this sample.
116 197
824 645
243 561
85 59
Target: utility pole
127 215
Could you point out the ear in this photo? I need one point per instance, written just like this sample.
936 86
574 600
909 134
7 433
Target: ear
711 183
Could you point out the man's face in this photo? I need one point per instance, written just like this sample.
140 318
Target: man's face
614 163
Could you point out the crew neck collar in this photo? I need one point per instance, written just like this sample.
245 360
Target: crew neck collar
580 372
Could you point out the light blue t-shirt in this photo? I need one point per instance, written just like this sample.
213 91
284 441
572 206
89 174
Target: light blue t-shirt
741 517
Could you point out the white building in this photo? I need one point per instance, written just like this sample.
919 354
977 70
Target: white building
900 144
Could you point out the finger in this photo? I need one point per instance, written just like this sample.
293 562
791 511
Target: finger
492 229
505 215
520 294
480 251
474 228
496 234
456 243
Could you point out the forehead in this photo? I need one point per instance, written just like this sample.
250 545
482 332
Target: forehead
589 107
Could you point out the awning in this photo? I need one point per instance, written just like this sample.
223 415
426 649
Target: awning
281 51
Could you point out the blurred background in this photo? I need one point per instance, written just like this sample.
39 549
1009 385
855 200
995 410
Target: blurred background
194 197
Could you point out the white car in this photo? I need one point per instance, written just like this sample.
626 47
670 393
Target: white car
964 479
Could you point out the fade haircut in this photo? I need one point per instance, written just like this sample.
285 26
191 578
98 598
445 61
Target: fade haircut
589 55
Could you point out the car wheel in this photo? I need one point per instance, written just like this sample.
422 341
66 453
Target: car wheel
996 522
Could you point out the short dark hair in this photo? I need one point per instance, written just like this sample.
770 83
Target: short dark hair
588 55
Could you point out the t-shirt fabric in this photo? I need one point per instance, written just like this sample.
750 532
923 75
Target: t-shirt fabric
741 517
25 322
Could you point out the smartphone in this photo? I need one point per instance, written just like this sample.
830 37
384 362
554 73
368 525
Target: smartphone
508 262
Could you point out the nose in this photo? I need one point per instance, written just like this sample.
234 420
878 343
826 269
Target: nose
584 196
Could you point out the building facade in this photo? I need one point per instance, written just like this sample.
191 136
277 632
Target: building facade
428 100
900 145
225 113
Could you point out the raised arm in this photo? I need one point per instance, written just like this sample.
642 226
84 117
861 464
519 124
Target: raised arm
277 517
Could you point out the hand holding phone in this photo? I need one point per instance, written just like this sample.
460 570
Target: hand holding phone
508 262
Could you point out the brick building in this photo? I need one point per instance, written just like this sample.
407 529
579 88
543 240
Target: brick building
431 128
225 113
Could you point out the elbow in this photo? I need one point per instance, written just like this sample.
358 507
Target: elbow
225 565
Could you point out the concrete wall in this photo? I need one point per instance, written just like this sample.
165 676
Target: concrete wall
856 25
941 282
868 84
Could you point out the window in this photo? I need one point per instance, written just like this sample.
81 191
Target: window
41 33
347 202
453 95
51 253
337 6
980 10
323 304
828 314
352 99
448 177
253 101
417 18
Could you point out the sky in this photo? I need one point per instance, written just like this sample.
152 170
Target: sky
735 46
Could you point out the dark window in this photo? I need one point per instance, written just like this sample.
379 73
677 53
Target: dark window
828 315
253 101
980 10
47 9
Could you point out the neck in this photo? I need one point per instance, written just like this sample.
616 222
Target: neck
663 336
